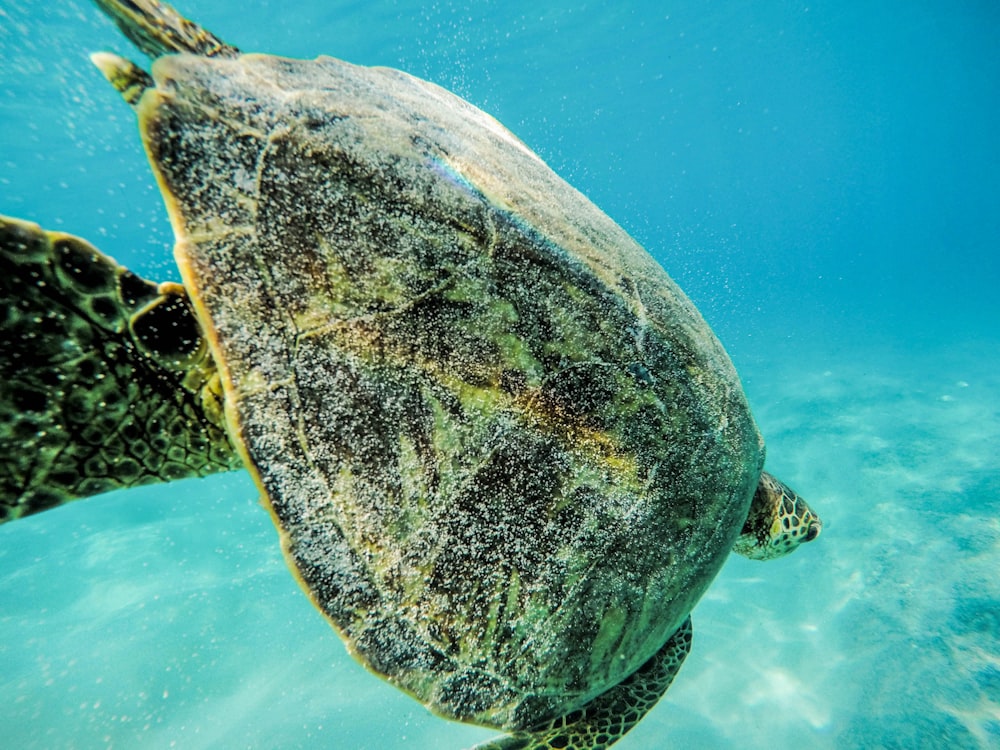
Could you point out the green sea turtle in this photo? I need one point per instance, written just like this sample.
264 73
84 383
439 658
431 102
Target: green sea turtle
505 454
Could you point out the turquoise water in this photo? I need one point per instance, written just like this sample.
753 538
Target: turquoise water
822 179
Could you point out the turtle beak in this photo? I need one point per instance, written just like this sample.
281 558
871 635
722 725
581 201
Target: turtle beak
815 527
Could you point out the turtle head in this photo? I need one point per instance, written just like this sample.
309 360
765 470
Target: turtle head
778 522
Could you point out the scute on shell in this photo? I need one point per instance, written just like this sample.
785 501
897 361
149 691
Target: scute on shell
505 453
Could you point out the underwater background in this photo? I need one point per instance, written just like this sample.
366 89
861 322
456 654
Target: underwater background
822 179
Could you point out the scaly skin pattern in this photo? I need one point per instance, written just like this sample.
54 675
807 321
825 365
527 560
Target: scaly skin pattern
777 523
105 382
603 721
157 29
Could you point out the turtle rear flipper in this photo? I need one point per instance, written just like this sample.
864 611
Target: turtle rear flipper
157 29
105 380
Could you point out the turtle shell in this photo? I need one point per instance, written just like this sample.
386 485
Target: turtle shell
505 453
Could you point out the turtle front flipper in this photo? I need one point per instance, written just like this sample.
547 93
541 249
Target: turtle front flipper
105 380
606 719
